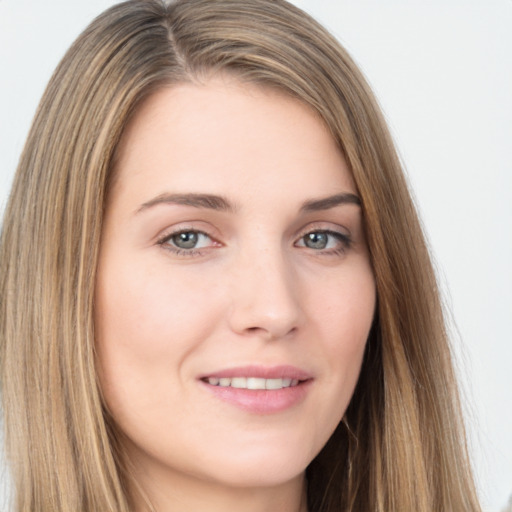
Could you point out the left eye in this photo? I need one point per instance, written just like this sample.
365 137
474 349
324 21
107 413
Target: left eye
187 240
321 240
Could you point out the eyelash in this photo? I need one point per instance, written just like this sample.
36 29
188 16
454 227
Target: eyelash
343 239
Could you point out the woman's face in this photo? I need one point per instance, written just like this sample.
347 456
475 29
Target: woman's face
234 293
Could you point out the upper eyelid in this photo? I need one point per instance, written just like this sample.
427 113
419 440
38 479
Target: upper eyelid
326 227
184 227
216 236
332 232
167 236
185 230
213 233
342 237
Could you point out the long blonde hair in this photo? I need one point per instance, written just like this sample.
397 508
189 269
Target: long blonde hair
401 445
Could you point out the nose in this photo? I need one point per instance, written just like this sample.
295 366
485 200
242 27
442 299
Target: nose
265 299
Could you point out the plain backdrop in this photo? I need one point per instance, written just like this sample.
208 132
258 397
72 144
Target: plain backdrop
442 71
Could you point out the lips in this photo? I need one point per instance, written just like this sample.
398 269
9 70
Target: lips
263 372
259 389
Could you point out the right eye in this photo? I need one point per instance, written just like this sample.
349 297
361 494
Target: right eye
187 241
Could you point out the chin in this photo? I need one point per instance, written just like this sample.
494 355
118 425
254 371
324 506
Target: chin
260 467
261 476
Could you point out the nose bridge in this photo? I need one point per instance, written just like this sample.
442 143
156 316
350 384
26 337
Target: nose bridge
265 299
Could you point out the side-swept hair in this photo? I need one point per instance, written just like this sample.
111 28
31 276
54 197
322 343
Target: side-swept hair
401 445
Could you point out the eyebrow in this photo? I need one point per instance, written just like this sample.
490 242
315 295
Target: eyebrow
325 203
219 203
209 201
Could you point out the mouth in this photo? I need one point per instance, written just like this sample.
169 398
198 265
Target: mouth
259 389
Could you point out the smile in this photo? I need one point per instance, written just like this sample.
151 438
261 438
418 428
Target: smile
253 383
259 389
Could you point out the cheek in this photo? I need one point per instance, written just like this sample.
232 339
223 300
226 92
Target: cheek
146 323
343 314
149 306
345 305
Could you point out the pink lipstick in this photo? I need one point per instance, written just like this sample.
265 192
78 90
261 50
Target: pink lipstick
259 389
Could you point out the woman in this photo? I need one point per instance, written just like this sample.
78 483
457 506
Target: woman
209 204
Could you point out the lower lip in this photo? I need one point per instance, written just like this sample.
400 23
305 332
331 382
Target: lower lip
261 401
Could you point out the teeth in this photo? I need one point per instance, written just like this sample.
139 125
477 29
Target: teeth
252 382
255 383
274 384
239 382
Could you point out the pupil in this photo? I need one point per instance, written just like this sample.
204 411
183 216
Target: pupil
316 240
185 240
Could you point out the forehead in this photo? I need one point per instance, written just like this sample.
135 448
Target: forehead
221 136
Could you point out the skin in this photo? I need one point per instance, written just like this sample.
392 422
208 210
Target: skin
254 291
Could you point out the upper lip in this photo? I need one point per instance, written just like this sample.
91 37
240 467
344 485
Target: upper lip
262 372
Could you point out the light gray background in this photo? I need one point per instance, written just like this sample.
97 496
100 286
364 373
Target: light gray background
442 71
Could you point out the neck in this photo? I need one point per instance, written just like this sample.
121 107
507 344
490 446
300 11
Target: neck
184 492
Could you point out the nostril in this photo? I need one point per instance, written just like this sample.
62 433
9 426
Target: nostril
274 332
